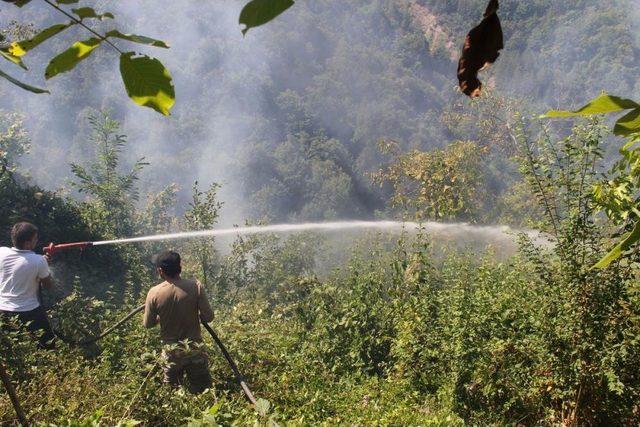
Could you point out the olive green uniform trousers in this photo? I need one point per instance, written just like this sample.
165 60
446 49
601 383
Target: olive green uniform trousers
193 363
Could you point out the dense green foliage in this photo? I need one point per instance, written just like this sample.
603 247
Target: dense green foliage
397 335
295 121
618 196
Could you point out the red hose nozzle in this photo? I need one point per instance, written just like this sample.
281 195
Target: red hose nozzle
52 249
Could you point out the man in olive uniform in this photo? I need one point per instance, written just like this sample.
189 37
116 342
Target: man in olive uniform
178 305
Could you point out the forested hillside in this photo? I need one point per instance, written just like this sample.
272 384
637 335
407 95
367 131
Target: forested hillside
337 110
289 118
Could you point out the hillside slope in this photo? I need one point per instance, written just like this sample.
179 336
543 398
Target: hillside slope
289 119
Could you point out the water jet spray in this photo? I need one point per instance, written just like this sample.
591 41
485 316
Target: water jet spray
464 230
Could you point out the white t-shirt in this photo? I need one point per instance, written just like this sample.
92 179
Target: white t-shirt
20 274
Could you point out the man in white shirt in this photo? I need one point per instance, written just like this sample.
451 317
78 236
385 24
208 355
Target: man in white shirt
21 273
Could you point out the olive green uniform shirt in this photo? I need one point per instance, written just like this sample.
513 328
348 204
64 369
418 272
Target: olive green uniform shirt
178 307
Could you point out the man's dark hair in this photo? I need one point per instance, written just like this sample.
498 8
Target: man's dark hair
169 263
21 233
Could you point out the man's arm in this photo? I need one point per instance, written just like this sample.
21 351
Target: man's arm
44 275
206 313
47 282
150 313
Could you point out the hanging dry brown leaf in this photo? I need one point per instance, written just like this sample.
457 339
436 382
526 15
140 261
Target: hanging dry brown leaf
481 48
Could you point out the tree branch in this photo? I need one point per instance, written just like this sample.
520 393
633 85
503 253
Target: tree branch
82 24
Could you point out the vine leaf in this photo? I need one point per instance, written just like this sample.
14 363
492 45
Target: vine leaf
628 125
259 12
12 58
147 82
22 47
88 12
620 248
603 104
21 84
66 1
137 39
68 59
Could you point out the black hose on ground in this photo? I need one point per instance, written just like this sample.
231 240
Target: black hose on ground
234 367
87 341
223 349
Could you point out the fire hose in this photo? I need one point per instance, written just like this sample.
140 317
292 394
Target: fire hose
6 381
239 377
53 249
225 353
50 251
106 332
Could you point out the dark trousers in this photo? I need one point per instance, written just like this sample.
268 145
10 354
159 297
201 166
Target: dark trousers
194 363
37 323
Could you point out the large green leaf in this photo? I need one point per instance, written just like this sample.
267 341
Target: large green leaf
147 81
259 12
137 39
21 84
66 1
22 47
68 59
11 58
629 124
623 246
601 105
88 12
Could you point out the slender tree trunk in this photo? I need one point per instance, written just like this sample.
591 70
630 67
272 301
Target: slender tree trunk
6 381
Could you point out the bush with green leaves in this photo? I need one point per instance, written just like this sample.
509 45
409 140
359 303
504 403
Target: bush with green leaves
405 335
617 195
